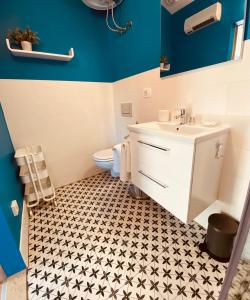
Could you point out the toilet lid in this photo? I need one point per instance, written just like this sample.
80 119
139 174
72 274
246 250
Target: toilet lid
106 155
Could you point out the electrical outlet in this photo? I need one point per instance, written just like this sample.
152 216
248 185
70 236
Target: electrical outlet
147 93
15 208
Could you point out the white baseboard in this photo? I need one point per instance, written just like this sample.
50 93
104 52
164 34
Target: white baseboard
24 236
3 291
202 219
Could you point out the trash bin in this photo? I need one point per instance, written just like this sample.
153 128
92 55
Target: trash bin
220 236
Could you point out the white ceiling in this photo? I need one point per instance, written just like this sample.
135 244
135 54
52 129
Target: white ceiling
174 5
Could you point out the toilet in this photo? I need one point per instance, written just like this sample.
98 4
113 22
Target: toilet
104 159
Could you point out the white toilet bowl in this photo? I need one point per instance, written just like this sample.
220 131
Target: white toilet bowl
104 160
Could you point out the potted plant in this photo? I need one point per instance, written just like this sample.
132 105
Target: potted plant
163 61
24 39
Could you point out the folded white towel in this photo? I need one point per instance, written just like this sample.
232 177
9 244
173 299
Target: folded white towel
128 156
125 172
116 158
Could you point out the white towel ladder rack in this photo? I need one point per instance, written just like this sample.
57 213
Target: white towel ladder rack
34 175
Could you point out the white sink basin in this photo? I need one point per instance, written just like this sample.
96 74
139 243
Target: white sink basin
191 132
181 129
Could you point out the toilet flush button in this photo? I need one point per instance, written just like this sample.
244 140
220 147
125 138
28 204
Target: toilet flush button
147 92
126 109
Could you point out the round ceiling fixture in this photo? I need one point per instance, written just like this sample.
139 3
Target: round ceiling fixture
102 4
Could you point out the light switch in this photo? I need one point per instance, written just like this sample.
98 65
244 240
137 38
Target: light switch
147 93
126 109
15 208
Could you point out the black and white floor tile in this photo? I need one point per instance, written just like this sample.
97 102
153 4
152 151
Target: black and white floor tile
99 243
240 288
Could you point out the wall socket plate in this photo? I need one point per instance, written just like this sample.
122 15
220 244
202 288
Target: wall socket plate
147 93
15 208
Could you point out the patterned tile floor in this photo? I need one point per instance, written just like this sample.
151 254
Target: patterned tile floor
99 243
240 289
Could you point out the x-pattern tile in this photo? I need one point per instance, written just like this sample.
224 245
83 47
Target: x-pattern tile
99 243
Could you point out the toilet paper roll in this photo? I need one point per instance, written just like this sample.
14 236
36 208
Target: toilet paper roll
163 115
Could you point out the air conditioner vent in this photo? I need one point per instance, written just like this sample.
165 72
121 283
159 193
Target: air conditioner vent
204 24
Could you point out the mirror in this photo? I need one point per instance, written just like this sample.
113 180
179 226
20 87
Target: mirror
200 33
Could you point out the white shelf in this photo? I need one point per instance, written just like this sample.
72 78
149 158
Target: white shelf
40 55
166 68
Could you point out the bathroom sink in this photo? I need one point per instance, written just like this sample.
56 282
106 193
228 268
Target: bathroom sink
190 132
181 129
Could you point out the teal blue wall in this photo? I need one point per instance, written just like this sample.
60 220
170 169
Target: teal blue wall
211 45
10 257
10 189
139 49
61 24
10 186
167 35
101 56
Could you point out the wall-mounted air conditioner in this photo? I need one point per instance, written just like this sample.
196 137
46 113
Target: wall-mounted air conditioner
204 18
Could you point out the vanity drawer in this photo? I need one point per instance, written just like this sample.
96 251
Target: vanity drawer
170 195
162 159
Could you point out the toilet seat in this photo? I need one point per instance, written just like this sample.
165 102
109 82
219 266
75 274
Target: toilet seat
104 155
109 159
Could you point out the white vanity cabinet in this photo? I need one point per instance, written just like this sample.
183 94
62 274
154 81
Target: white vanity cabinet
181 174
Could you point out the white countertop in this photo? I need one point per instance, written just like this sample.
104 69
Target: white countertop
188 133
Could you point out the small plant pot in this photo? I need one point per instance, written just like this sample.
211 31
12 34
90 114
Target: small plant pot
162 65
27 46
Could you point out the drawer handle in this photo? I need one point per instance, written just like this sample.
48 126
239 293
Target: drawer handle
154 146
154 180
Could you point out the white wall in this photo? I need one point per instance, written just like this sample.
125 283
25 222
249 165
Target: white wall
222 92
71 120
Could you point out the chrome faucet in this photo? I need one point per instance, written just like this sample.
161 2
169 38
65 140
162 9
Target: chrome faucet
182 116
